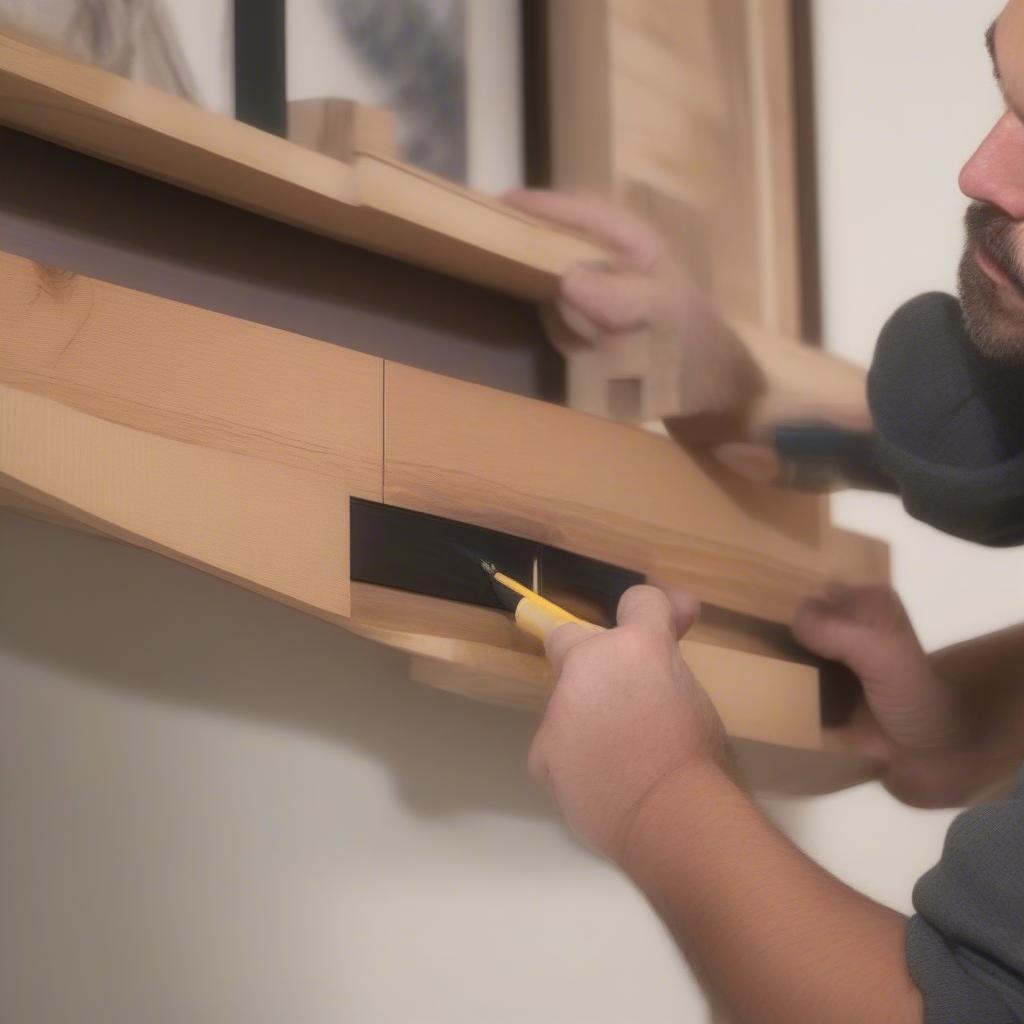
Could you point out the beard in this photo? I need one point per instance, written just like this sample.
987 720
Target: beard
994 321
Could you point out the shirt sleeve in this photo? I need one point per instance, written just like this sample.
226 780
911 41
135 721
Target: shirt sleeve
965 945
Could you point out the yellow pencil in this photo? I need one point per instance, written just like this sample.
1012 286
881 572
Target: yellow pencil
534 614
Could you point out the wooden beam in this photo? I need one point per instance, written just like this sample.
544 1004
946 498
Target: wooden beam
371 201
235 448
442 446
602 489
374 200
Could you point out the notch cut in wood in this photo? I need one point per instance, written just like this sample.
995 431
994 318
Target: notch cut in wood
439 557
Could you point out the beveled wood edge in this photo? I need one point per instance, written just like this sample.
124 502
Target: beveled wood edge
115 119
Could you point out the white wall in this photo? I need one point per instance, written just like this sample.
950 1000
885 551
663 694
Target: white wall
904 93
215 809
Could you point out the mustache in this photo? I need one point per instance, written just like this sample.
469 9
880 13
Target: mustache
993 231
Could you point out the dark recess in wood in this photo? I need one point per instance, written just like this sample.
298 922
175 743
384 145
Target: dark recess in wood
427 554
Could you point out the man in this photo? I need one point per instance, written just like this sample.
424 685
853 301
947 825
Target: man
640 770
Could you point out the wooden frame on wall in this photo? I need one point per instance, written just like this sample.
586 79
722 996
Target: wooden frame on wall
698 116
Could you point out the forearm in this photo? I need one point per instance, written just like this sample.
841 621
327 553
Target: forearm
775 937
987 674
992 664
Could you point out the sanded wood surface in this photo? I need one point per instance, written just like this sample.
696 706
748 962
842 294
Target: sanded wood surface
383 205
371 201
271 527
227 444
602 489
684 113
235 448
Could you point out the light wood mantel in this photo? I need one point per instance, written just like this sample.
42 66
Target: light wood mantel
370 200
235 448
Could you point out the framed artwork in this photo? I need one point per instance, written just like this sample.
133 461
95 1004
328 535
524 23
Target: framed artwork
450 70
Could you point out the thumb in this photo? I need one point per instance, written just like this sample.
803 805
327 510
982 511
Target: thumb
868 629
615 301
685 609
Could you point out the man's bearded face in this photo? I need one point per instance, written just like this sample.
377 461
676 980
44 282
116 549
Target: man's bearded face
992 282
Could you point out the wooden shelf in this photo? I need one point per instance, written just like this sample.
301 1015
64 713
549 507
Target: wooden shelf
235 448
371 200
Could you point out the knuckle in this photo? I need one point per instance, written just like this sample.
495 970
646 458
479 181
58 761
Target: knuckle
639 595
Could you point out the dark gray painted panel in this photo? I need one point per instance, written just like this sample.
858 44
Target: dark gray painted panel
62 208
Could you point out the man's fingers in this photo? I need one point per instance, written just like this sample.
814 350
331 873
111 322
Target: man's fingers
625 233
685 608
616 301
569 330
867 629
655 610
560 642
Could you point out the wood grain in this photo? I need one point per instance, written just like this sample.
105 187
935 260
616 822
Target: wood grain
270 527
373 202
601 489
187 373
685 114
235 448
229 445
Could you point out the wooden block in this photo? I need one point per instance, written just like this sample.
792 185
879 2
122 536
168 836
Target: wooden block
342 128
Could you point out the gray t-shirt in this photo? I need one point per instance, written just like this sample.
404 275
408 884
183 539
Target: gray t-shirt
965 945
949 426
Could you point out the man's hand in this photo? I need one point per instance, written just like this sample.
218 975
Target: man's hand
626 716
942 727
635 755
642 287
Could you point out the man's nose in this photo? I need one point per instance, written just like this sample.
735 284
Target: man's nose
995 173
